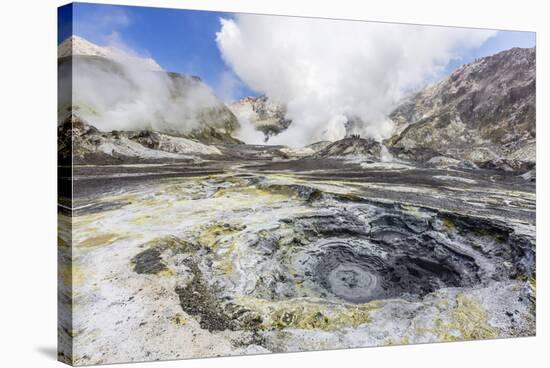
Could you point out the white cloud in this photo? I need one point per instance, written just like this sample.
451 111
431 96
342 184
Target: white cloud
327 71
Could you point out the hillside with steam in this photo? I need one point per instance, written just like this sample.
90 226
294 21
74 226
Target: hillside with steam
483 113
112 90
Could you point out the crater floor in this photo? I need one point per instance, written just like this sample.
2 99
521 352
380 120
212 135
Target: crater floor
244 257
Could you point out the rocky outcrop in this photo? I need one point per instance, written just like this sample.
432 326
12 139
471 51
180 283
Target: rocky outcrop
264 114
483 112
317 146
353 147
82 143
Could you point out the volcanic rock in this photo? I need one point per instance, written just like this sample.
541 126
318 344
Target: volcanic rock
483 111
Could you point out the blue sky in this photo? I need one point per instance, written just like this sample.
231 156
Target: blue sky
183 41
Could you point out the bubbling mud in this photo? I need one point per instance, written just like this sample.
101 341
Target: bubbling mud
353 283
351 276
354 274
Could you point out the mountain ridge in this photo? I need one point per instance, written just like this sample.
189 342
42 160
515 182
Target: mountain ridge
75 45
483 111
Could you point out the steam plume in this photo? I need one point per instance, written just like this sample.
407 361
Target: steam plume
328 72
125 91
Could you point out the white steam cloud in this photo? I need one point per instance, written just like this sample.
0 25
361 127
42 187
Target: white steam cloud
124 91
328 72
